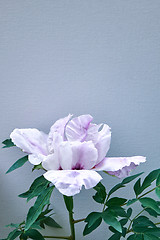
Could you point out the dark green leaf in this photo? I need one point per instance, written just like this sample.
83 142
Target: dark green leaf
131 178
92 218
88 230
51 222
116 236
142 222
19 163
8 143
34 234
115 201
111 220
115 188
123 221
158 181
151 203
158 191
119 211
100 195
137 187
149 179
129 212
36 210
69 203
152 212
150 237
12 235
36 188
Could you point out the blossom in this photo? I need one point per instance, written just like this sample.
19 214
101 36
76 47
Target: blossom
72 153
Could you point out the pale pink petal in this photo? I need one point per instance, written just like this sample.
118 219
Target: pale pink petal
57 127
77 155
77 128
51 162
119 166
36 159
30 140
70 182
103 142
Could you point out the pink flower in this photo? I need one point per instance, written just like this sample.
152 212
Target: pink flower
72 152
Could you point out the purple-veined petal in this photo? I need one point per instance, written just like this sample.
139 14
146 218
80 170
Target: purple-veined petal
51 162
57 127
30 140
76 129
119 166
77 155
36 159
70 182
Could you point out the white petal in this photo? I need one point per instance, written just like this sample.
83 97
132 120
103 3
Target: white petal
36 159
77 155
30 140
103 142
70 182
57 127
119 166
51 162
77 128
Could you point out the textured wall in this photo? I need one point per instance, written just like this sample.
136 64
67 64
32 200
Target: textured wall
78 56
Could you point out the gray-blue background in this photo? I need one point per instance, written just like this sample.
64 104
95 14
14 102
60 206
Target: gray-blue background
78 56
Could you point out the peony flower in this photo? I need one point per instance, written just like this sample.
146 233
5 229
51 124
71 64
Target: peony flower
72 153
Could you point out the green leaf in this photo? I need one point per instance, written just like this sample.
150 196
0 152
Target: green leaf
119 211
122 184
36 188
69 203
115 201
152 212
37 167
129 212
158 186
150 237
12 225
158 181
100 195
116 236
36 210
137 187
19 163
141 223
8 143
51 222
34 234
149 179
115 188
111 220
88 230
131 178
92 218
12 235
151 203
132 201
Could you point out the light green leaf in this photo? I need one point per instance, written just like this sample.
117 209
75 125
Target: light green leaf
36 210
19 163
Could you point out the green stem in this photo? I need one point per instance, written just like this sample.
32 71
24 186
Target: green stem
71 221
157 223
79 220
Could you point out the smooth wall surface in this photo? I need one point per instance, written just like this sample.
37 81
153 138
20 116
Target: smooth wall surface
78 56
